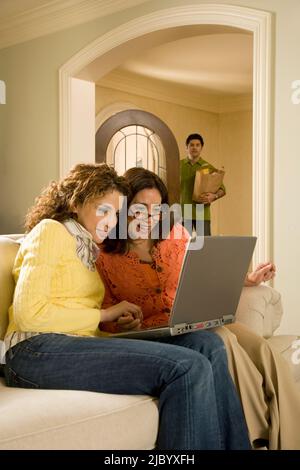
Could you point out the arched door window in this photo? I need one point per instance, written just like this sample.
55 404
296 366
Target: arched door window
137 138
136 146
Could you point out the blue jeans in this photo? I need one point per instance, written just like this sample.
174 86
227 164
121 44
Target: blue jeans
198 404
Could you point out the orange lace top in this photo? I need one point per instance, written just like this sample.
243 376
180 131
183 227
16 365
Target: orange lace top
152 286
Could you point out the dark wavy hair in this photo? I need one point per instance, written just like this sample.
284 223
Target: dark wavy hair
84 183
138 179
194 137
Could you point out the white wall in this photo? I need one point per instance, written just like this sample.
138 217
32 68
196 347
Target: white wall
2 92
83 121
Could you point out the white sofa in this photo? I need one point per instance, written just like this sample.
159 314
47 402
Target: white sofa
60 419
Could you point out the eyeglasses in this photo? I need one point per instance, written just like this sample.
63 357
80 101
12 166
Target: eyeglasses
145 216
141 212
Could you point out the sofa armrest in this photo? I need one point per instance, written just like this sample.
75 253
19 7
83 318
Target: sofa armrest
8 251
260 309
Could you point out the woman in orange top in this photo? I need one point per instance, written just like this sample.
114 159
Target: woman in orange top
145 272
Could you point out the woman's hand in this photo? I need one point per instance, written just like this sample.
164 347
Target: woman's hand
129 316
128 322
264 272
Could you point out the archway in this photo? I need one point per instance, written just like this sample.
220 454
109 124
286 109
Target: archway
148 120
111 49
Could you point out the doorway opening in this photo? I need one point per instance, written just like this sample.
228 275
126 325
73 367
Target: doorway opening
110 50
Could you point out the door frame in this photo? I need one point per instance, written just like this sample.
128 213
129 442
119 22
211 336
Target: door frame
256 21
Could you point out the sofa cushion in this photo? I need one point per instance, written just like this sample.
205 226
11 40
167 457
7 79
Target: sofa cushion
8 251
66 419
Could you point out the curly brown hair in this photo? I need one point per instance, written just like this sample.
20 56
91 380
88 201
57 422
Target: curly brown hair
84 183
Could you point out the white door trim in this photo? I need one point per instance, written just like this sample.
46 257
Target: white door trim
256 21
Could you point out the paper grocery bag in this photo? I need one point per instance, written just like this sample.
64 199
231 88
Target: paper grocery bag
207 182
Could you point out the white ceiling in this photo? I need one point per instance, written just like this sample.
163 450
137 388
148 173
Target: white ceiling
23 20
213 63
217 60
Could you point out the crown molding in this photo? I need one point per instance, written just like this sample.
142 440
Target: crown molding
159 90
56 16
236 103
190 97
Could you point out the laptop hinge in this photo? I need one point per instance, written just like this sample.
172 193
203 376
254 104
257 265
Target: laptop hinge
227 319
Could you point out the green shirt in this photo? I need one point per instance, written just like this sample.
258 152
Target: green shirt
187 178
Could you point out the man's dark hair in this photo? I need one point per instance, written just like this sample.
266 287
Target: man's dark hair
194 137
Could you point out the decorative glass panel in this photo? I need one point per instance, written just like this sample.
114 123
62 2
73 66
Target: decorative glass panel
137 146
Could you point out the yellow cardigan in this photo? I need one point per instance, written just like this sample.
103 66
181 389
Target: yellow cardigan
54 291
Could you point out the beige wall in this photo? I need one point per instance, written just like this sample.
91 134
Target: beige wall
29 121
228 139
235 150
182 120
29 126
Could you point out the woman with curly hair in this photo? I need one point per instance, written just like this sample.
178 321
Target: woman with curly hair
53 340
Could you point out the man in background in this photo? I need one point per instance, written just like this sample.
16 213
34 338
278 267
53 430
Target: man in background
188 168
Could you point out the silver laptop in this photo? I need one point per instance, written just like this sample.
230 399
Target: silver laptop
209 288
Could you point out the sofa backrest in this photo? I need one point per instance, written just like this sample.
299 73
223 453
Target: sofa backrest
8 250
